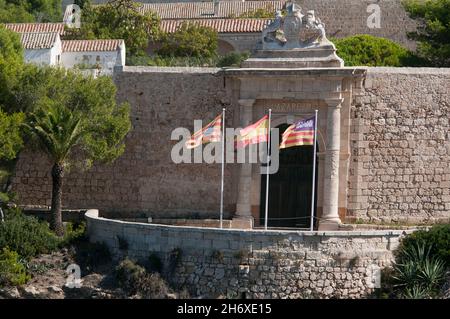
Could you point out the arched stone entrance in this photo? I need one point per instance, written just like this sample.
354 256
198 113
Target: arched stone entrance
290 189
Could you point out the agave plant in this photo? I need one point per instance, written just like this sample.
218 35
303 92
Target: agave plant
418 274
433 272
416 292
406 274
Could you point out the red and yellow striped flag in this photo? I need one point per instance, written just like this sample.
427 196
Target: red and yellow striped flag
253 134
299 133
210 133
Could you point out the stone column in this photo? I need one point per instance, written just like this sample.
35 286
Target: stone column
330 217
243 217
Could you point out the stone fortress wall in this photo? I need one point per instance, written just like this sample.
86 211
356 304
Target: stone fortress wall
399 163
144 179
400 141
256 264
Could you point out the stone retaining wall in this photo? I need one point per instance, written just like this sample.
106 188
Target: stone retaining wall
255 264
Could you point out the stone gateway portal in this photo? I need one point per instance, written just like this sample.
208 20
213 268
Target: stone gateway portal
290 189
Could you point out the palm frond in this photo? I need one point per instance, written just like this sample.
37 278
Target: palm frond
57 128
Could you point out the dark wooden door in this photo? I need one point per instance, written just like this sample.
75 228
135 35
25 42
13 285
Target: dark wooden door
290 189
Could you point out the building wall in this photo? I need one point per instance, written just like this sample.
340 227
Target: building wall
107 60
400 142
241 42
259 264
40 57
399 149
44 56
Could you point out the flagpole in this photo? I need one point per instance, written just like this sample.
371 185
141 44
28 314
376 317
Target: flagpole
267 171
223 167
314 173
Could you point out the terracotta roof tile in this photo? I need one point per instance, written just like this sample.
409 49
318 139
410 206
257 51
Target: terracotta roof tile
36 27
38 40
205 10
201 10
91 45
220 25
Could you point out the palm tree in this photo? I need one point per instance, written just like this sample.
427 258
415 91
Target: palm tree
58 130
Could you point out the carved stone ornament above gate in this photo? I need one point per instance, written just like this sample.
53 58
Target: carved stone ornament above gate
294 30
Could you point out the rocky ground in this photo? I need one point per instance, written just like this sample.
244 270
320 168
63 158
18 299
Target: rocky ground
49 280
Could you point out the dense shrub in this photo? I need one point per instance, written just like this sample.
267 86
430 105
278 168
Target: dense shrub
12 271
74 233
232 59
171 61
437 238
26 235
190 40
367 50
136 280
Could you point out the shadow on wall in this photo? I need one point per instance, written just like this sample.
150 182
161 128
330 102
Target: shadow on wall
224 47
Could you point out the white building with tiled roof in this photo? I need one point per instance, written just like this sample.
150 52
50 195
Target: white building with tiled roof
42 48
42 45
101 55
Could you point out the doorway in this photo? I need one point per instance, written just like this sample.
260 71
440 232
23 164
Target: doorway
290 189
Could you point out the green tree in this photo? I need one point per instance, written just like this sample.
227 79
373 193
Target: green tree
15 11
190 40
10 135
10 12
11 69
433 32
11 63
76 121
118 19
368 50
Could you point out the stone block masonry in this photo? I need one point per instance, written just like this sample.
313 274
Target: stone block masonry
258 264
399 164
400 142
